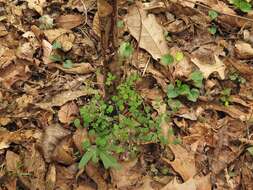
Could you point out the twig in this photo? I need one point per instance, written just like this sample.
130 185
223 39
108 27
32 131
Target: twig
146 66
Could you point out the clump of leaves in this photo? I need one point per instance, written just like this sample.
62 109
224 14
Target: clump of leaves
126 50
110 78
236 78
118 126
242 5
56 57
46 22
181 89
225 96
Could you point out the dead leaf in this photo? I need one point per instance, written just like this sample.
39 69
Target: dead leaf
184 162
66 40
104 8
53 34
37 5
79 136
12 162
96 25
151 36
68 112
244 50
208 69
51 138
51 177
126 176
78 68
69 21
47 50
63 97
3 31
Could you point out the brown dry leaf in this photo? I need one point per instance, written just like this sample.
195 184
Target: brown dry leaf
231 110
6 56
68 112
208 69
96 25
126 176
243 68
25 51
63 152
79 136
198 183
78 68
47 50
65 176
63 97
104 8
66 40
13 73
37 5
184 162
69 21
83 186
243 50
53 34
12 161
51 138
51 177
34 164
151 36
3 31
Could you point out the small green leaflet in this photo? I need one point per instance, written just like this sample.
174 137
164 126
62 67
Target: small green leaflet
179 56
55 58
213 14
193 95
108 160
250 150
243 5
56 45
67 64
197 78
126 50
86 157
77 123
212 30
172 91
167 59
120 23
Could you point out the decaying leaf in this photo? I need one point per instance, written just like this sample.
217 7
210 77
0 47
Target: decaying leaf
147 32
37 5
244 50
79 68
69 21
208 69
68 112
63 97
51 138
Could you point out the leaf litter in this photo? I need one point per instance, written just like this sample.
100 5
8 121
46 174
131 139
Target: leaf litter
53 57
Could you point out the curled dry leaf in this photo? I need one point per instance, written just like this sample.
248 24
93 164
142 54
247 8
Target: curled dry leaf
198 183
37 5
243 50
3 31
63 152
13 73
47 50
6 56
66 40
69 21
208 69
68 112
184 162
63 97
79 136
78 68
148 31
53 34
12 161
51 138
126 176
51 177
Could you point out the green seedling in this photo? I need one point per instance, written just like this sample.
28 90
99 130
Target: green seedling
197 78
110 78
225 96
212 14
126 50
167 59
212 30
242 5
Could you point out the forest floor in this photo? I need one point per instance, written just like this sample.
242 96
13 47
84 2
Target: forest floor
127 95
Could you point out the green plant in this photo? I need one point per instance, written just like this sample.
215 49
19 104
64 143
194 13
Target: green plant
125 50
212 14
167 59
109 79
118 126
197 78
225 96
236 77
46 22
243 5
181 89
212 30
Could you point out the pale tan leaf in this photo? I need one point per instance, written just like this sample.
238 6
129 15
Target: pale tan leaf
52 34
68 112
79 68
37 5
69 21
148 30
208 69
244 50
